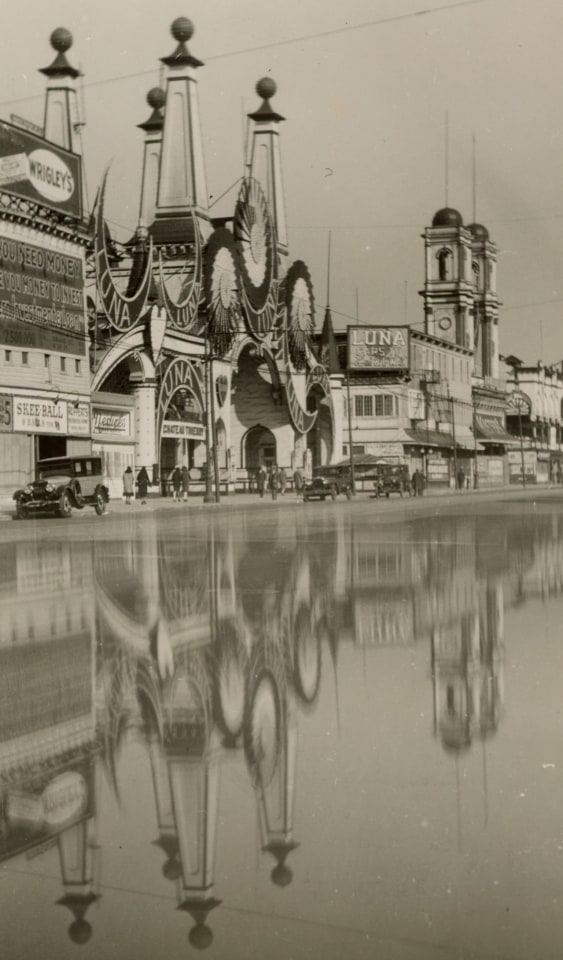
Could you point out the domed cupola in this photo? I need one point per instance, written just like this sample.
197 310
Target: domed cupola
447 217
478 231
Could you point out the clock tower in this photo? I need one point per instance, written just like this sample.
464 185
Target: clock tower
448 284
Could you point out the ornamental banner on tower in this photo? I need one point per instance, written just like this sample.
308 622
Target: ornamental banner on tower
378 348
38 170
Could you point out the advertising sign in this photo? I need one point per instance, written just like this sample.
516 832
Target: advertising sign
378 348
32 415
36 169
515 466
182 430
41 298
79 420
5 412
111 422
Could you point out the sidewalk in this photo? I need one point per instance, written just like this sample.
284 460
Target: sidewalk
235 500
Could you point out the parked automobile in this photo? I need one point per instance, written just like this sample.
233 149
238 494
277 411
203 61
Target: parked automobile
390 478
329 482
63 483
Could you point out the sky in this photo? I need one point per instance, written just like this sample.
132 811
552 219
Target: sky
365 86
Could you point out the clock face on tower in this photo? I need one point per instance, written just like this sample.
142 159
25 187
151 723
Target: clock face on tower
255 240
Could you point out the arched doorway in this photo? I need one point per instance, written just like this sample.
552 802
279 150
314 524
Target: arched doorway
258 448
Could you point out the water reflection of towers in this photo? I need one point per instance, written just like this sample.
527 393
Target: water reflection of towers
207 667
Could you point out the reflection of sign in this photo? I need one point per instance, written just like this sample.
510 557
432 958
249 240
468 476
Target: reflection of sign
40 416
33 811
378 348
41 298
116 422
42 171
182 430
79 420
519 402
5 412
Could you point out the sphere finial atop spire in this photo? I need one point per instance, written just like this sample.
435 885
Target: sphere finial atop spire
182 29
266 88
156 98
61 39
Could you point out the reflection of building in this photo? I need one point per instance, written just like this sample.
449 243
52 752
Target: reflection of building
47 716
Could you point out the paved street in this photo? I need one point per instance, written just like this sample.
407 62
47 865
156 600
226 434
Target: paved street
339 720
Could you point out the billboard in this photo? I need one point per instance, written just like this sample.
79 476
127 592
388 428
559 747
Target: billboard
35 169
41 298
378 348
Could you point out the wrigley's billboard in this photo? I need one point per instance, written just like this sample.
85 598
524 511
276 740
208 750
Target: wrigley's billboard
378 348
40 171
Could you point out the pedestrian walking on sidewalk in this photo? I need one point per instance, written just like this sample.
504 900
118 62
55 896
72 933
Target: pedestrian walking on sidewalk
418 483
185 483
460 479
128 485
143 484
176 483
261 480
298 482
274 480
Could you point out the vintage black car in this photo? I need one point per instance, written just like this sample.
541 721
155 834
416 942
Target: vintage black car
390 478
329 482
63 483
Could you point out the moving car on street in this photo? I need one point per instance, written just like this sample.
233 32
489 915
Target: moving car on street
64 483
390 478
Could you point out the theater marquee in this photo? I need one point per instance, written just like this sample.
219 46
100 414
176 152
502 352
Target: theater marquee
378 348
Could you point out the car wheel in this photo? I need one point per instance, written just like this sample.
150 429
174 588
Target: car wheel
323 497
65 505
21 512
99 503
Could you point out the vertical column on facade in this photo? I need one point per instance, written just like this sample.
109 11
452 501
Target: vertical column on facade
145 424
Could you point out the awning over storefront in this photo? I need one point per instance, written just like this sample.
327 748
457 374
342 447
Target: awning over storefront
435 438
491 430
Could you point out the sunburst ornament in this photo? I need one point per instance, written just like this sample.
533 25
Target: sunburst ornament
221 286
254 235
300 304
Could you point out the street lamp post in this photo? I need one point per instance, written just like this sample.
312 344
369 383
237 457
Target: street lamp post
515 363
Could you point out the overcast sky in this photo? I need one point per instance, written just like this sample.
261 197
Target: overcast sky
365 86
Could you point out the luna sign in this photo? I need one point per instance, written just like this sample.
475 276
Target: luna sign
40 171
378 348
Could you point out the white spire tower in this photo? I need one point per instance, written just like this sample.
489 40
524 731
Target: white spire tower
182 187
153 127
62 124
264 162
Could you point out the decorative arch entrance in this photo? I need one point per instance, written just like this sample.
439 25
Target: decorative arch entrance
258 448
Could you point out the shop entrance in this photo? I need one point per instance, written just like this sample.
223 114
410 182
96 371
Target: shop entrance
49 447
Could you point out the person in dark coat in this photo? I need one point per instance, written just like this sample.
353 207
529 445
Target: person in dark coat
143 484
418 483
128 490
176 483
274 480
298 482
185 483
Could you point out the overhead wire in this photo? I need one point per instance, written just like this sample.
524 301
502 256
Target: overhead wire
348 28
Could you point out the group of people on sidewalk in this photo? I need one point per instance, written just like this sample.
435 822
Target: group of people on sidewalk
275 480
180 484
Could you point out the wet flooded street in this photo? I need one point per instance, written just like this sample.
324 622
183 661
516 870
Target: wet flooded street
293 731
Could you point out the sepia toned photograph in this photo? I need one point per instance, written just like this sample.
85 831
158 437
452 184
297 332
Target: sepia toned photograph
281 480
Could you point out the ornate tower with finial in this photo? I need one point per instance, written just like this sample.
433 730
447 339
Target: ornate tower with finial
62 125
182 187
156 98
448 292
264 160
485 301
